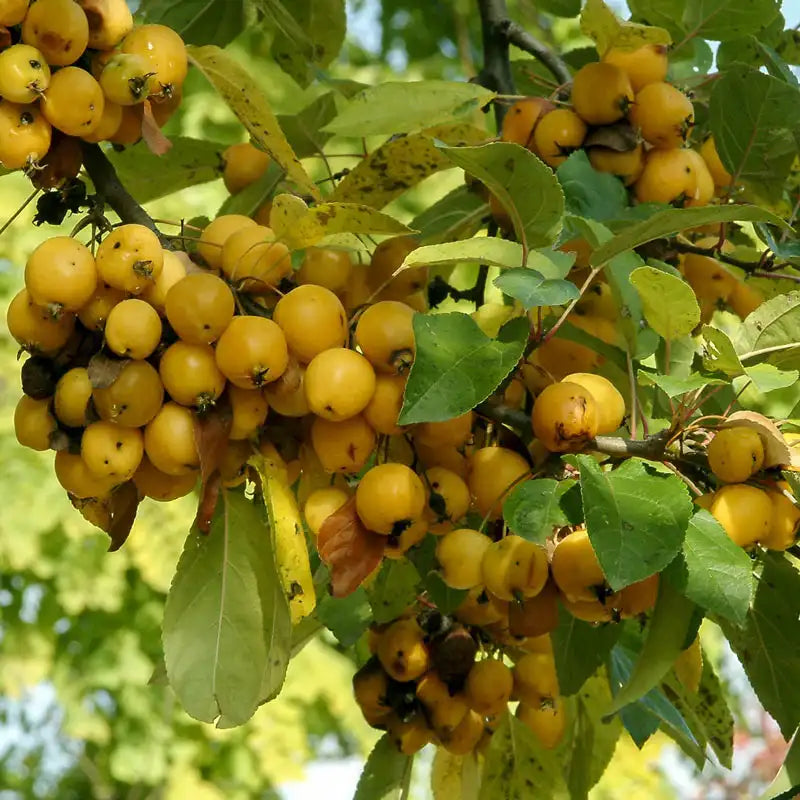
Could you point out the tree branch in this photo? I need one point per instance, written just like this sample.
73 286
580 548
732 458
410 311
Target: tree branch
762 268
521 39
110 189
496 72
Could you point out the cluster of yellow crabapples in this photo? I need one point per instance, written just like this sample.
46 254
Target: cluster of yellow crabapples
73 70
632 123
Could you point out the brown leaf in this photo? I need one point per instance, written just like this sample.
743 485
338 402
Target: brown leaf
156 142
350 550
5 37
211 438
620 137
124 504
104 370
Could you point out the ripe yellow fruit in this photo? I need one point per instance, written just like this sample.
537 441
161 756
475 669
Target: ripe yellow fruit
252 352
535 616
385 335
384 407
465 737
627 165
521 120
33 423
199 307
339 383
493 473
663 114
710 279
244 164
448 500
126 79
130 125
174 270
610 403
720 175
445 709
601 93
744 299
746 512
72 396
558 134
646 64
459 554
75 476
249 409
134 398
704 187
133 329
165 53
390 498
547 720
58 28
669 176
157 485
488 687
216 233
638 598
410 736
112 451
24 74
514 568
454 432
60 274
35 328
785 522
575 568
73 102
564 417
312 319
12 12
535 678
190 375
287 396
130 258
736 453
320 504
253 260
109 22
26 134
323 266
343 446
402 650
481 608
386 258
170 440
371 689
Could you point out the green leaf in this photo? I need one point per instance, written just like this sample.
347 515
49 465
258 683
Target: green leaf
457 366
768 644
403 107
561 8
768 378
345 617
669 303
588 193
593 742
480 250
532 289
252 197
324 24
384 774
674 220
458 215
706 711
227 629
147 176
579 649
602 25
401 163
249 103
198 21
727 19
752 117
674 385
303 130
712 570
516 762
636 517
666 635
393 590
719 354
773 324
532 509
524 185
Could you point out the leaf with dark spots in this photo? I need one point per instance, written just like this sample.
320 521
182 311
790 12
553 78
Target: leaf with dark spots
350 550
104 370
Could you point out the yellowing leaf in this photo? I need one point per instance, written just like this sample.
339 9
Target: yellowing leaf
291 551
301 227
607 30
403 162
246 99
668 303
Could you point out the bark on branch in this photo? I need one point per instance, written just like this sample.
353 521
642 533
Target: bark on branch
496 72
523 40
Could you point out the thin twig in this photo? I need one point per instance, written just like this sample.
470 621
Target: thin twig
777 276
521 39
